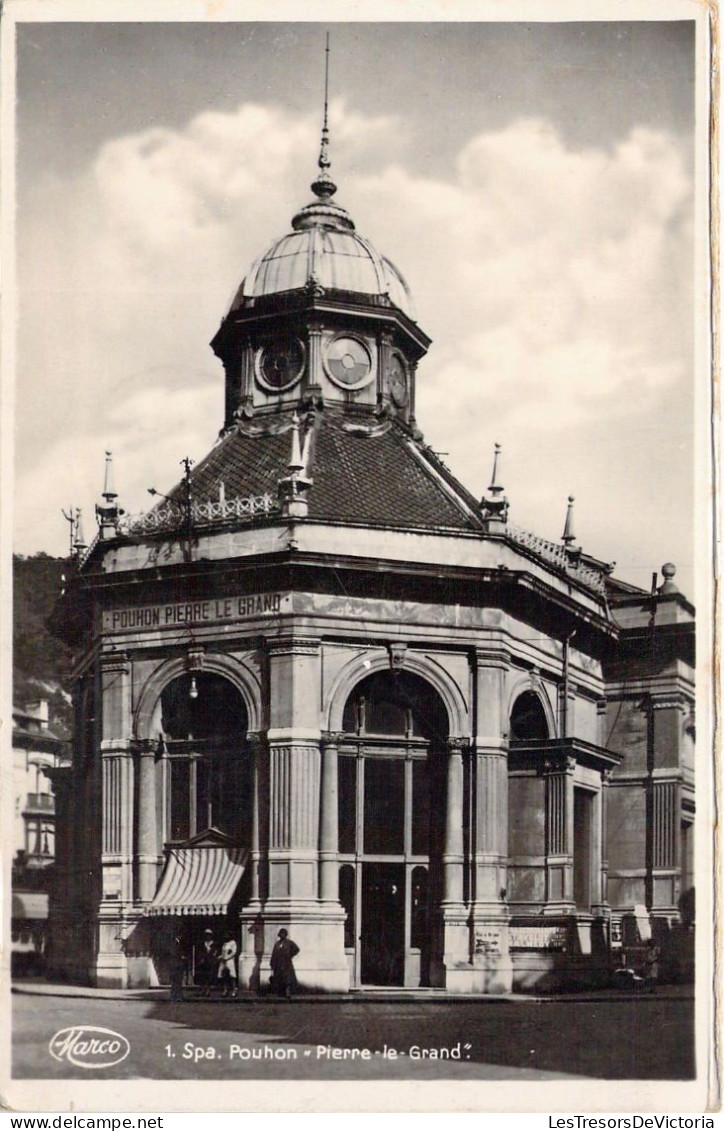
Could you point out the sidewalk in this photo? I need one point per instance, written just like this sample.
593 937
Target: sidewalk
381 995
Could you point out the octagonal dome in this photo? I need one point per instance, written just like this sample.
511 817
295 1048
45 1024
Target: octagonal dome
324 249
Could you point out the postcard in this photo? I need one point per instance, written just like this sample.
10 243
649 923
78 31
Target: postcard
359 437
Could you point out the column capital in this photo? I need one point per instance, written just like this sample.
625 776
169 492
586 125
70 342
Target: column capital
293 645
488 746
115 748
114 661
331 737
458 745
559 764
492 656
256 739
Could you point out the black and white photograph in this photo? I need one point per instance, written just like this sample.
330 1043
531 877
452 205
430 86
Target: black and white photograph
358 443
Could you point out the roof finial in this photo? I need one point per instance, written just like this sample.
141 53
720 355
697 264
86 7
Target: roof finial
668 585
108 512
80 544
324 186
109 490
293 488
494 488
494 510
569 536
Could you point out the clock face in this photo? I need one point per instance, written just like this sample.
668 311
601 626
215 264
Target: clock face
348 362
280 365
398 380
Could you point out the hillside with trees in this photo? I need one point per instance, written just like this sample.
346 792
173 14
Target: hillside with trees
41 663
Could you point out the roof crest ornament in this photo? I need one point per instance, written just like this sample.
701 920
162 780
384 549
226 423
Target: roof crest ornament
569 537
108 512
494 510
293 487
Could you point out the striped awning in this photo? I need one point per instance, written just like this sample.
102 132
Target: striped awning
198 880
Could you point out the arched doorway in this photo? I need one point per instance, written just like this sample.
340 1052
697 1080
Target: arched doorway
392 791
204 794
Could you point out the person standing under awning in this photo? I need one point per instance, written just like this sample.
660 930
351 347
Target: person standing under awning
227 968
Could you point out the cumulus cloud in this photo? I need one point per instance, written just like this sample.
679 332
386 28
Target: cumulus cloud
556 284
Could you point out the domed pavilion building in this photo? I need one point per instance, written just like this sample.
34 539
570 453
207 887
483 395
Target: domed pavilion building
323 687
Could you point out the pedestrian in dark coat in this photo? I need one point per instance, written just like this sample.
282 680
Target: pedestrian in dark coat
207 962
651 966
284 978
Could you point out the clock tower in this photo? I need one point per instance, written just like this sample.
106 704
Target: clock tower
321 319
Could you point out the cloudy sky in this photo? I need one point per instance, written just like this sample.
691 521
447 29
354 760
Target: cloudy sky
533 182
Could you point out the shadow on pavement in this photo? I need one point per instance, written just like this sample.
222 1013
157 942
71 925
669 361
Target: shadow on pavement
644 1039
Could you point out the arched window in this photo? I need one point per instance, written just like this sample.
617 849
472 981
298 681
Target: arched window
392 799
401 704
203 721
528 719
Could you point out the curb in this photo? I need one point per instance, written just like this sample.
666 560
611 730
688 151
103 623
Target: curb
161 994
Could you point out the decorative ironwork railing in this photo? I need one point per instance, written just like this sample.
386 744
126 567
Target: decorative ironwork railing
174 515
559 556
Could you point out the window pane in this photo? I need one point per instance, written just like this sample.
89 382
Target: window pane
418 925
420 809
347 807
179 800
384 714
204 814
384 806
346 898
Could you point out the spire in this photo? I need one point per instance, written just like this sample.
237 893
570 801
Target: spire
80 544
109 491
494 488
108 512
324 186
494 509
569 536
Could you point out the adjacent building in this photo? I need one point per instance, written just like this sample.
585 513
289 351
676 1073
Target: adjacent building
37 751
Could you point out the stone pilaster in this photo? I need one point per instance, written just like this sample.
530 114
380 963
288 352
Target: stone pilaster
489 921
294 770
147 855
453 857
314 364
329 820
294 826
117 792
666 832
384 352
599 904
559 835
294 786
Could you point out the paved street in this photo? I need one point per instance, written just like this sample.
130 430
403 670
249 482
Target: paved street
644 1038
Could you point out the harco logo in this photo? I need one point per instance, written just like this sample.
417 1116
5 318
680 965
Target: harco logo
87 1046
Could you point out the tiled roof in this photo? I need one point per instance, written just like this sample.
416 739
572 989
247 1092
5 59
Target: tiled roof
373 476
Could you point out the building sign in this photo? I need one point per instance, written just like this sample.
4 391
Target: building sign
182 613
538 938
488 940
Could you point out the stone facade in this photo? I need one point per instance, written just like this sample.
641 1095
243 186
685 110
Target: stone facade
411 720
